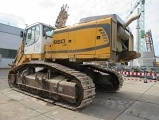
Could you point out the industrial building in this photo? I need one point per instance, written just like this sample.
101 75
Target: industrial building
9 43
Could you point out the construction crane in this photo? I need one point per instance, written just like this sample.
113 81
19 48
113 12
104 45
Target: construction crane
141 24
62 17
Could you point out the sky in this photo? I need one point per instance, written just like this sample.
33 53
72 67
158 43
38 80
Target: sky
18 13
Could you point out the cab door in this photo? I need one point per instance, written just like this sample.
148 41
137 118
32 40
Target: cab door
32 43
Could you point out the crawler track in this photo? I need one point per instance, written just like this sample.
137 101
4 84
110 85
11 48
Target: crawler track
113 81
87 87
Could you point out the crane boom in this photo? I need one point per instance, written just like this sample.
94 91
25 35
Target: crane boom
132 10
62 17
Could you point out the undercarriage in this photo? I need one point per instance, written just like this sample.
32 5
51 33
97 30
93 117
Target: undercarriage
67 87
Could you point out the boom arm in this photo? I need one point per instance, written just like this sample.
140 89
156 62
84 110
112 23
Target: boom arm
62 17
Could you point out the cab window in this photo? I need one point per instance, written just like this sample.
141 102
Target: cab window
48 31
32 35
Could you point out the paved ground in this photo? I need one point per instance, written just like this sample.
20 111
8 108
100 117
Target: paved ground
135 101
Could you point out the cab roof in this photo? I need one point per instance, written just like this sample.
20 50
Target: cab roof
39 23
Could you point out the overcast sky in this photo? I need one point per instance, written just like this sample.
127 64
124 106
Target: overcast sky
20 12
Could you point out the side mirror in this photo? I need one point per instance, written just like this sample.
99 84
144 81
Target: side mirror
21 34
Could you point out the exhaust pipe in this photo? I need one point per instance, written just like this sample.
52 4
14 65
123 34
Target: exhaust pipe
130 20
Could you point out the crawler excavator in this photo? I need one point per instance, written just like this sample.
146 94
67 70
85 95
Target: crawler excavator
55 64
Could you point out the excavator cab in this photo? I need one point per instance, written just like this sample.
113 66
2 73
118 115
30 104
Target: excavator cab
36 36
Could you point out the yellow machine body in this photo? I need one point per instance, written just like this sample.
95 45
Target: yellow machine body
90 40
96 40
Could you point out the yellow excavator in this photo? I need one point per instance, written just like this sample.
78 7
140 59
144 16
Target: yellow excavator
55 65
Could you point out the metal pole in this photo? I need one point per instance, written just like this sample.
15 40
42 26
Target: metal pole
138 34
138 47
